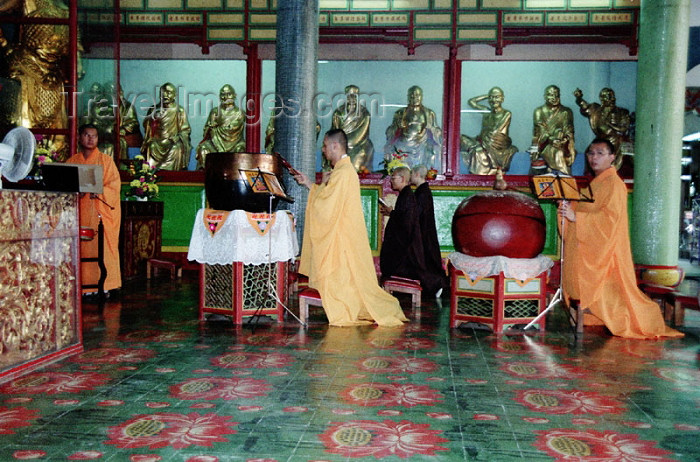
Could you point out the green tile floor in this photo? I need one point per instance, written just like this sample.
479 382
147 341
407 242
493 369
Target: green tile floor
154 384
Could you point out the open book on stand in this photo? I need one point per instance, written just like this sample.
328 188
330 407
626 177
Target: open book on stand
560 187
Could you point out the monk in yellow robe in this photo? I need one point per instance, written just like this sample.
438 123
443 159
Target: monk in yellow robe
598 269
106 205
335 252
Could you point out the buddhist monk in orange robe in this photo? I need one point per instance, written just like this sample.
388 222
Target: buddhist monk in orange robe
598 269
335 252
107 205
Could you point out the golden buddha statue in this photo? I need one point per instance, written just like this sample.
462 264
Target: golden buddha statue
224 129
38 62
414 132
492 149
166 142
129 127
607 120
553 135
354 119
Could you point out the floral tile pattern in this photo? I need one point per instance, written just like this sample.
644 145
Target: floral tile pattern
154 384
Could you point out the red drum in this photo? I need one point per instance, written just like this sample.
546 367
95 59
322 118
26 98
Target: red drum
86 233
506 223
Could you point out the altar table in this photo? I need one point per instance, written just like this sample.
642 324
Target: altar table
498 292
244 262
39 289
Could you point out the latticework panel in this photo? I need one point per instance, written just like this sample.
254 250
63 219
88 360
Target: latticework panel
521 308
467 306
218 280
258 282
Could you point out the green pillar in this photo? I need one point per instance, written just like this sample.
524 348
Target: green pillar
661 75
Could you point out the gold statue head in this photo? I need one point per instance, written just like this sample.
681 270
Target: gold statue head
607 97
227 95
552 95
496 97
415 95
168 92
351 93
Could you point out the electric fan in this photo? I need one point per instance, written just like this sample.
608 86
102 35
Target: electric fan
17 154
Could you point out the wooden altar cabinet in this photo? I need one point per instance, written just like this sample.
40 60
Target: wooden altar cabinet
244 262
498 292
140 236
39 277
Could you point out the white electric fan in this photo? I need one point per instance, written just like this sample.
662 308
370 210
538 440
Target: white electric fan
17 154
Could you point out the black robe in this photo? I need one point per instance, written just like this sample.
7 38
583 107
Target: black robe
431 246
402 248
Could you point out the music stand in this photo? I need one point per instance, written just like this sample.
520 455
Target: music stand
554 186
261 182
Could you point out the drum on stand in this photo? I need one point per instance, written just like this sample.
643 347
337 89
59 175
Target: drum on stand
227 189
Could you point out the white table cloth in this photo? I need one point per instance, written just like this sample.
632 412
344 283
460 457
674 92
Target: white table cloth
521 269
238 239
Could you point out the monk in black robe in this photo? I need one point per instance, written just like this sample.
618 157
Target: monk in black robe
426 220
402 248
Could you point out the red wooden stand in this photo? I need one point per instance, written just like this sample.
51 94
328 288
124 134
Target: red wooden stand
240 290
496 301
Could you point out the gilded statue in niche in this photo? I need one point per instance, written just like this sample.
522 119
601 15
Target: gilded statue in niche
414 132
224 129
552 135
607 121
492 149
354 119
39 62
166 143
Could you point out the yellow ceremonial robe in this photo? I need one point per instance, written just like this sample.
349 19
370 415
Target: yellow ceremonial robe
598 268
90 210
337 258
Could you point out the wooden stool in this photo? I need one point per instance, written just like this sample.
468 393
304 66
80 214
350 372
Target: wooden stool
678 302
405 285
308 297
156 263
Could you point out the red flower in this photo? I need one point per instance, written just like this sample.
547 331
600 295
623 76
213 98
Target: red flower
395 365
390 394
219 388
363 438
568 402
114 356
51 383
11 418
575 445
169 429
252 360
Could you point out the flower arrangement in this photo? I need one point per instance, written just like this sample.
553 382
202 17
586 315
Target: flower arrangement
396 160
143 179
44 153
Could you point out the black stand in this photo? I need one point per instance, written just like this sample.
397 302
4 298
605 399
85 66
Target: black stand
99 259
271 287
560 193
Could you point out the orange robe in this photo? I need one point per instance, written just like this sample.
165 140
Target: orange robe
337 258
598 268
90 210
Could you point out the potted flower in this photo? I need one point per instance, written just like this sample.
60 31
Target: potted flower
44 153
143 180
397 159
